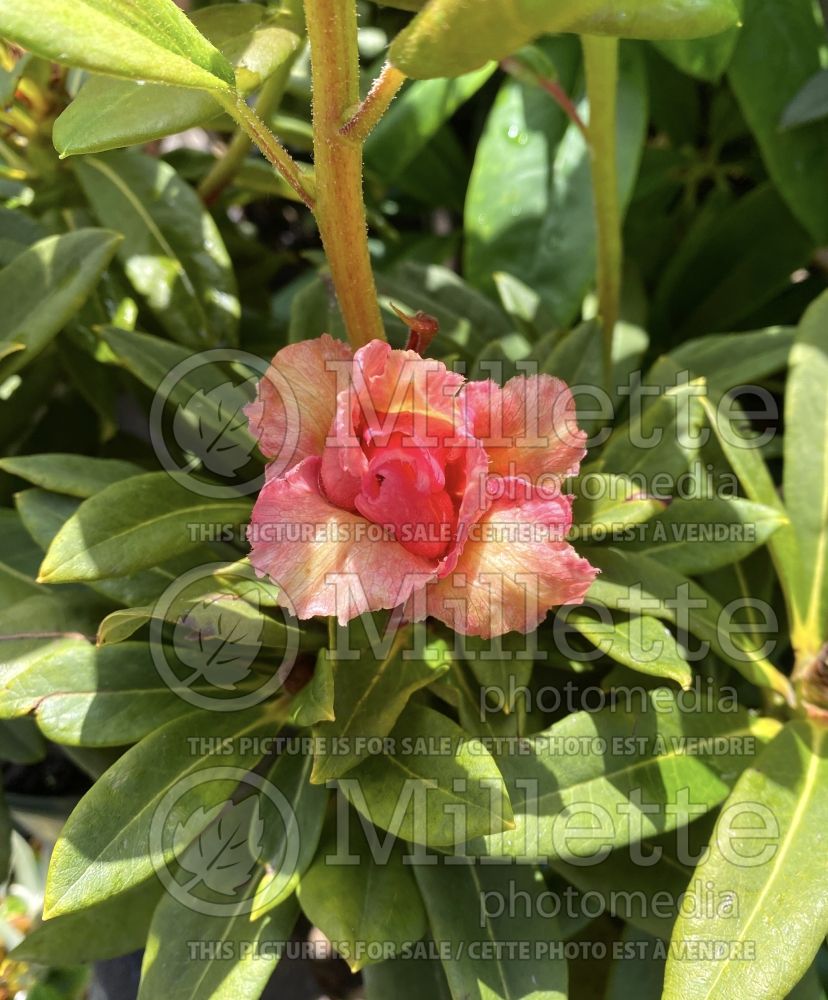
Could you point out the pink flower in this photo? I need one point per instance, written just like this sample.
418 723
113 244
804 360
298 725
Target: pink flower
395 481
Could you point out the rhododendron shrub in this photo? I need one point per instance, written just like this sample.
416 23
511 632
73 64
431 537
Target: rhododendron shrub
413 494
418 487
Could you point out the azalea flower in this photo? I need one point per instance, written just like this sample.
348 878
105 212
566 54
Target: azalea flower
394 481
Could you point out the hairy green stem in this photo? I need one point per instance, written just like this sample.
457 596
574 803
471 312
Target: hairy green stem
340 209
225 169
267 142
601 62
379 97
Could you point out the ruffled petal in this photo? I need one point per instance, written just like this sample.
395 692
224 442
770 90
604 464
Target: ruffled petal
392 391
326 560
296 401
513 569
529 427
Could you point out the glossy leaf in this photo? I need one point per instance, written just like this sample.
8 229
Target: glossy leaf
541 227
698 536
632 582
613 504
359 897
470 907
765 79
44 514
628 774
45 286
105 848
249 954
300 826
733 435
405 979
75 475
762 851
172 251
414 118
449 37
108 113
114 927
133 524
639 642
806 475
207 398
369 697
427 796
810 103
86 696
142 40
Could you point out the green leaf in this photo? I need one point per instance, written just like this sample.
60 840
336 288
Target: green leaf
645 883
698 536
45 286
17 231
405 979
414 119
626 776
75 475
727 360
21 742
19 561
208 400
765 851
541 227
733 434
720 274
172 251
703 58
132 525
806 476
423 793
369 696
142 40
249 952
315 702
5 837
109 113
105 847
765 78
97 697
810 103
472 909
606 503
449 37
658 445
640 642
114 927
44 514
632 582
306 805
359 895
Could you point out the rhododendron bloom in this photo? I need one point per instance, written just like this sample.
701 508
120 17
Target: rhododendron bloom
394 481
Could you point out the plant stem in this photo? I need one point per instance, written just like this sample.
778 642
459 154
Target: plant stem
383 91
340 209
225 169
601 62
267 142
552 87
